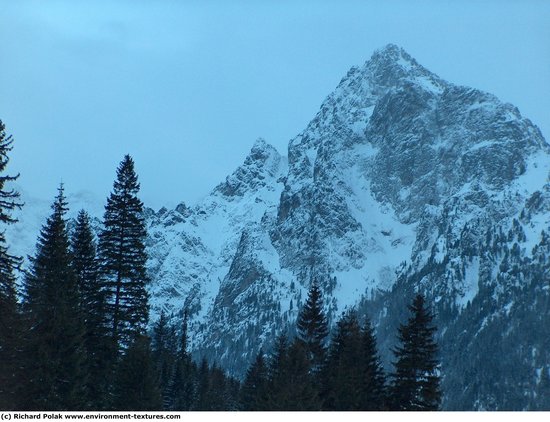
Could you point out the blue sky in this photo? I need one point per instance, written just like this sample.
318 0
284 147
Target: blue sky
187 86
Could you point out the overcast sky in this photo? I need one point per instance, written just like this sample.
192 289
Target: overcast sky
186 87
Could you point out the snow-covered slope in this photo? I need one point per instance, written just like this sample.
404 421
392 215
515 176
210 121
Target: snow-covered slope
191 249
391 189
401 183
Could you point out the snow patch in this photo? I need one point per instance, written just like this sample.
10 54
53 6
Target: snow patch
470 287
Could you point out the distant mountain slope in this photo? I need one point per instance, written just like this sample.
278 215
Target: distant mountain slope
401 183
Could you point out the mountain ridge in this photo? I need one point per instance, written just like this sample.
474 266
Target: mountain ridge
401 183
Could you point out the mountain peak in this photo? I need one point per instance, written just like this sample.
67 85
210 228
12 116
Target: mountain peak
392 50
261 165
262 151
392 65
393 54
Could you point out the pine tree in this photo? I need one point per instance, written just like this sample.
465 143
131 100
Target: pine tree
9 317
313 327
373 381
123 258
255 383
416 380
136 385
97 342
55 345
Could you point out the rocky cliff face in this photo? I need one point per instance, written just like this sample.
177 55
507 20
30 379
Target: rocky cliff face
401 183
193 249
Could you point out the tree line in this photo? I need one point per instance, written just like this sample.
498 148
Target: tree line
75 335
311 373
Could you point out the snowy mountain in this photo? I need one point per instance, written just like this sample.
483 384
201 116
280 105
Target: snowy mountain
401 183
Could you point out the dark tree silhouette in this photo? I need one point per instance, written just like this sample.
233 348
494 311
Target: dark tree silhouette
416 378
97 341
181 391
123 258
136 384
373 388
56 360
255 383
313 328
343 377
10 324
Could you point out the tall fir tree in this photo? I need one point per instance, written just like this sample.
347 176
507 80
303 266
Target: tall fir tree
416 379
10 324
55 350
312 327
123 258
97 341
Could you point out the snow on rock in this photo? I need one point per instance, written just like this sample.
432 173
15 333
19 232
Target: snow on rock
402 183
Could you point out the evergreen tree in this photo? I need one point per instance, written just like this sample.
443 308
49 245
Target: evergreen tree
373 389
277 376
302 391
8 203
343 375
9 317
215 390
97 341
123 258
181 389
203 399
222 392
181 395
416 380
353 378
164 351
313 327
255 384
290 384
55 345
136 385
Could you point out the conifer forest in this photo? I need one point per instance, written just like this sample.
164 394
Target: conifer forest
76 334
203 208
